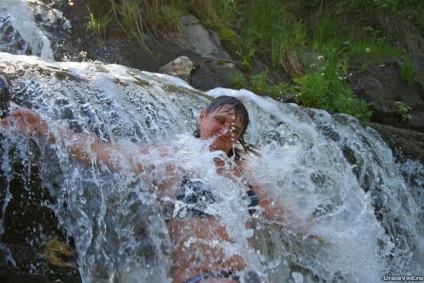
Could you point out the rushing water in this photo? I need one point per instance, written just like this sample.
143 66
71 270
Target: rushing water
367 209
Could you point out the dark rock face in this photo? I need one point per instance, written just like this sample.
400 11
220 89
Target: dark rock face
31 229
9 275
405 144
381 83
376 80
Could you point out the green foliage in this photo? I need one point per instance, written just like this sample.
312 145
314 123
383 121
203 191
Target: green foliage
259 82
381 5
328 32
281 33
403 111
278 89
214 13
275 32
171 14
238 80
98 25
230 39
375 45
327 89
372 48
407 71
245 62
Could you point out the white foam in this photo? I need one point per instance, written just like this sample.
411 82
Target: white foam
23 21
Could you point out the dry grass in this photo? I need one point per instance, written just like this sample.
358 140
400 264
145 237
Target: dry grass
402 33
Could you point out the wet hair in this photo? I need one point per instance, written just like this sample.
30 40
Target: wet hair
240 112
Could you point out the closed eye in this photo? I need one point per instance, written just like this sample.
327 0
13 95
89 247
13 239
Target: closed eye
221 121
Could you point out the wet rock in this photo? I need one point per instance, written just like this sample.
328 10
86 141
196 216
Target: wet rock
380 82
196 38
4 98
211 74
32 240
9 275
180 67
404 143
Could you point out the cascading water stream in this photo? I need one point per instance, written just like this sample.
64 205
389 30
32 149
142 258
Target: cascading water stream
18 31
365 207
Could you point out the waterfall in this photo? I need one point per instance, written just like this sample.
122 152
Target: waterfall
18 31
366 206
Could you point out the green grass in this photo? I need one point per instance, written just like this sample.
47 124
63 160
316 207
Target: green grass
98 24
282 33
368 49
408 71
326 88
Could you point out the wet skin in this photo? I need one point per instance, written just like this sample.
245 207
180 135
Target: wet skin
201 256
222 126
190 259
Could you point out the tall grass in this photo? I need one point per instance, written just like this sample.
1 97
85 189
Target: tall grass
275 32
98 24
285 32
140 17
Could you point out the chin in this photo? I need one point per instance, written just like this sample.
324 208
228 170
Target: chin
213 147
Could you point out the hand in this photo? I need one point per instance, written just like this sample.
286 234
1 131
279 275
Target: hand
26 122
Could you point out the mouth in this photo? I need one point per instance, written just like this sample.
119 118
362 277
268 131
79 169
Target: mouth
222 140
218 143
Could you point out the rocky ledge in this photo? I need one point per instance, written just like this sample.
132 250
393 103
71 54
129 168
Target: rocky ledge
197 56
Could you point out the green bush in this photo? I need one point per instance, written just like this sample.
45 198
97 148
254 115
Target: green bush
259 82
326 88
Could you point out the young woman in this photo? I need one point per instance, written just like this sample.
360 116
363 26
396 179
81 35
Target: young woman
200 240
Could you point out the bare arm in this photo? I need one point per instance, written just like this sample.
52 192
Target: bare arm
82 147
275 211
272 210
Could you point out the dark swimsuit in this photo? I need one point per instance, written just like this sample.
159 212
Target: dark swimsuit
225 274
196 196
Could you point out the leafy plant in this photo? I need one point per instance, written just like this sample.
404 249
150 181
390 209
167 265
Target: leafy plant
259 82
278 89
214 13
272 30
245 62
327 89
98 25
403 111
238 80
171 15
327 32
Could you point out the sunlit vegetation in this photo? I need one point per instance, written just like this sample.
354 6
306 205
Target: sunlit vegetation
284 33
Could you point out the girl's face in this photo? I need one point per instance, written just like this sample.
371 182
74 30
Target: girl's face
221 126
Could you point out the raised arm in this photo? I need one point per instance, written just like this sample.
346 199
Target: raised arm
82 147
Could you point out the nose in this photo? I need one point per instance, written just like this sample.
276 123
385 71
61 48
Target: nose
225 130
